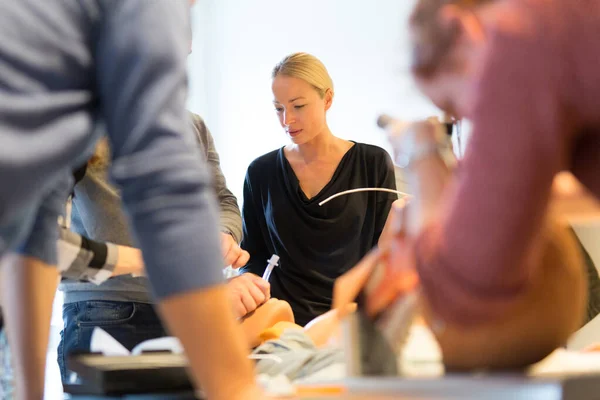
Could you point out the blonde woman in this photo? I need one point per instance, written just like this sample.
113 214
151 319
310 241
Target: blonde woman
283 188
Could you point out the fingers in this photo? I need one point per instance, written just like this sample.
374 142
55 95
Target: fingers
239 309
232 255
241 260
386 293
248 292
264 286
349 285
229 249
248 301
347 309
258 295
397 276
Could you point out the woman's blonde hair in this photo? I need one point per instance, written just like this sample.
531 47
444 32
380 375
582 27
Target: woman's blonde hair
306 67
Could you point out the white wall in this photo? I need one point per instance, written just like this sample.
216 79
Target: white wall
363 44
238 42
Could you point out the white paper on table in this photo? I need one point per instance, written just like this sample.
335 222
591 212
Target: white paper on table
276 386
167 343
567 362
105 344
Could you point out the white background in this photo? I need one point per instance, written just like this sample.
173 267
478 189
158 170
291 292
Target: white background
237 43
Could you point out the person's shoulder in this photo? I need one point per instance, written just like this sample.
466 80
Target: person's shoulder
372 152
264 164
198 124
377 158
196 119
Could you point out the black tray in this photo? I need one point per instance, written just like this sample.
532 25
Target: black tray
146 373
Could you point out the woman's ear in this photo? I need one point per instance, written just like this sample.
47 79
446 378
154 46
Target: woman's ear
464 21
328 98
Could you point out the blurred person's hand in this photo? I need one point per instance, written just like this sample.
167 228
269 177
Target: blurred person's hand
395 275
129 261
423 149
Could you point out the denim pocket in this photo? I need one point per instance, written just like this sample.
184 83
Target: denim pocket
69 308
105 313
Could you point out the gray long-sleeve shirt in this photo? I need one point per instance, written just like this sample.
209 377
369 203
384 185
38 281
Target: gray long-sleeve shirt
231 218
65 65
97 215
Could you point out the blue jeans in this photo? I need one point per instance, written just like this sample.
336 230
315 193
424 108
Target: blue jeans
129 323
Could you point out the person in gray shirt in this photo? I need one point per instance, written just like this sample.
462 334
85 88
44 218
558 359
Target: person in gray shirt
122 305
65 67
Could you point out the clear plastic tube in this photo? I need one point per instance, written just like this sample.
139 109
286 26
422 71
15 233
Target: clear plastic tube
363 190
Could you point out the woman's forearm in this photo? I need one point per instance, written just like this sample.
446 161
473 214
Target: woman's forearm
203 321
428 178
81 258
426 153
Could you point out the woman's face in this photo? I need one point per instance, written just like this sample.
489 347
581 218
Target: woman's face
300 109
450 92
451 87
